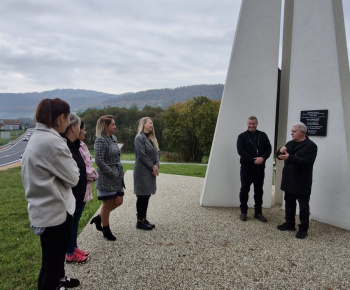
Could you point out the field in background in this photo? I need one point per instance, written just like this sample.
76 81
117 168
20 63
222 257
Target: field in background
163 156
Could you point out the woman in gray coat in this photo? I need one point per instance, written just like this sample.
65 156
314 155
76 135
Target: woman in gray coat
48 174
110 184
145 170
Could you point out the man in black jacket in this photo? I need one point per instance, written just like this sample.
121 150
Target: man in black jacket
299 156
254 148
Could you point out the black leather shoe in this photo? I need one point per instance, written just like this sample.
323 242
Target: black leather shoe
243 217
150 224
285 227
301 235
69 283
141 225
260 217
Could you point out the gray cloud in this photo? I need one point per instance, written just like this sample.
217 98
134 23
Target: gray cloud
115 46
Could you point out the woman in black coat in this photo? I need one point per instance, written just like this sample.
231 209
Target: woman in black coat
74 254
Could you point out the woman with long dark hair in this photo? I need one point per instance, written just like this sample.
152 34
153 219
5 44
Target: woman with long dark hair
48 174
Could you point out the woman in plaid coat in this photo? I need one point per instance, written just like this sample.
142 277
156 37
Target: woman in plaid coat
110 184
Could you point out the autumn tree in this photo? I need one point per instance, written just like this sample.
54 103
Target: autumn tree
126 120
190 127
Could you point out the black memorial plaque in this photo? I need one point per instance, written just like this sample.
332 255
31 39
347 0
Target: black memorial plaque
315 121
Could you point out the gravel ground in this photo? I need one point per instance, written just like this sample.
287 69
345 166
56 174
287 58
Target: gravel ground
194 247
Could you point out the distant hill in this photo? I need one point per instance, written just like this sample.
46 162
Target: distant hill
23 105
165 97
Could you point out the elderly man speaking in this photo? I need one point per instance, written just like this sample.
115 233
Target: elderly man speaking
299 156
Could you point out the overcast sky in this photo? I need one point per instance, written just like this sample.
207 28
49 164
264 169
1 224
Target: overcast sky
116 46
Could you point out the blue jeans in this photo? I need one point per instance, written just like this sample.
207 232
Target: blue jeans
79 207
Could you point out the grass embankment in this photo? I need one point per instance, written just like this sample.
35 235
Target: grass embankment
20 249
13 136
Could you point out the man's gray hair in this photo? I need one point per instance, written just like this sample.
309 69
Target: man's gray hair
301 126
253 118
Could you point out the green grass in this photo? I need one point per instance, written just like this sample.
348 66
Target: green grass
131 157
124 156
20 249
127 156
13 135
184 169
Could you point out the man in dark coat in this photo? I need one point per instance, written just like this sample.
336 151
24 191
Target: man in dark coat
254 148
299 156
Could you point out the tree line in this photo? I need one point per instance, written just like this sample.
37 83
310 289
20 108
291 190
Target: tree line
183 128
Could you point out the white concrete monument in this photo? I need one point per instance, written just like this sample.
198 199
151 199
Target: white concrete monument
250 89
315 76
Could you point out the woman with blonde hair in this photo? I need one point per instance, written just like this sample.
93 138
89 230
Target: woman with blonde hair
110 184
145 170
74 254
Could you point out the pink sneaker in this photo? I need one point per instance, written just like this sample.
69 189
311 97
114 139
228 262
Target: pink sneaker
81 253
76 258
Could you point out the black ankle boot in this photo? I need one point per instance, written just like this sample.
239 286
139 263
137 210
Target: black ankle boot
108 234
97 221
142 225
150 224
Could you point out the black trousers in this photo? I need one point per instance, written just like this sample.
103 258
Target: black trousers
304 210
249 177
54 245
142 205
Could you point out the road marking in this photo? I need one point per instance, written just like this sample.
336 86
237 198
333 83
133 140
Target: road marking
14 153
1 165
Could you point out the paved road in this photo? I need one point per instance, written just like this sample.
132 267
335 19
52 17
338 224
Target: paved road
13 153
